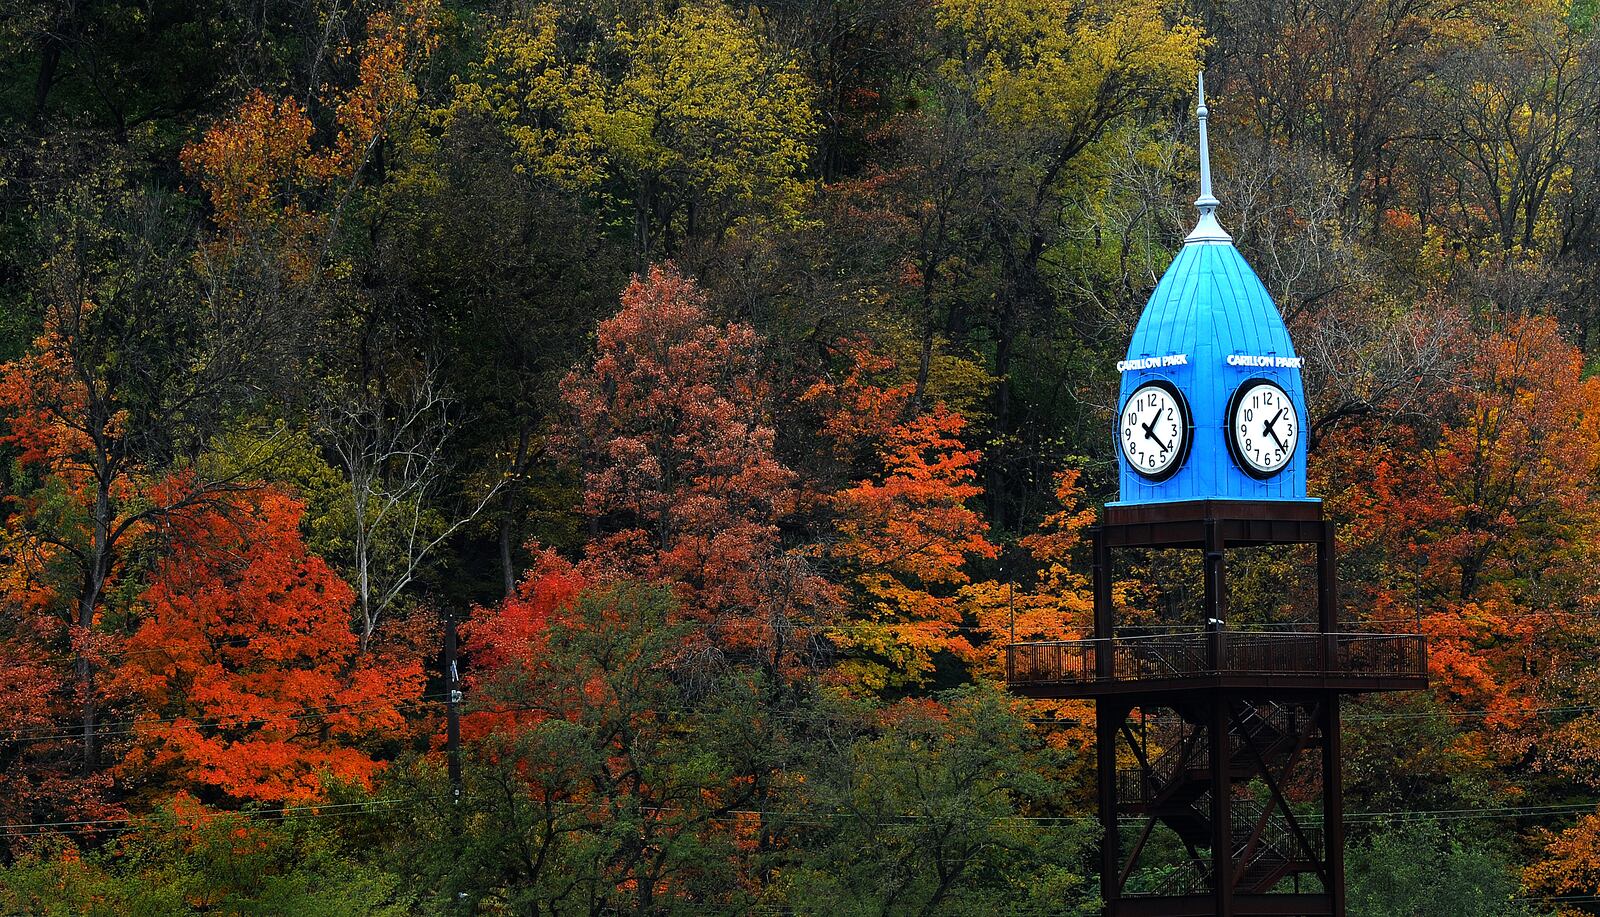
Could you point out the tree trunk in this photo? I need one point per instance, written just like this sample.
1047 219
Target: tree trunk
97 566
996 484
641 225
49 60
508 574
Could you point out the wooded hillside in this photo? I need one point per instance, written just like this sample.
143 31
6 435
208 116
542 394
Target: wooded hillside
739 379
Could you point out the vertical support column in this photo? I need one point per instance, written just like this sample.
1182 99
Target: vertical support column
1216 594
1333 804
1328 580
1328 596
1104 625
1221 806
1107 715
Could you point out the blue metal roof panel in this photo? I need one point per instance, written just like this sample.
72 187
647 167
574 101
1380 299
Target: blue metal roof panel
1208 305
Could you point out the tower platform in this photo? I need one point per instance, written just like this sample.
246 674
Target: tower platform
1242 662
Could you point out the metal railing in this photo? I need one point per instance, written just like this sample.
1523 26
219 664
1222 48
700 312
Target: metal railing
1219 652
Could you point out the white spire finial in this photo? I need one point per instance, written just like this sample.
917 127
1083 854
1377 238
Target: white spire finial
1207 229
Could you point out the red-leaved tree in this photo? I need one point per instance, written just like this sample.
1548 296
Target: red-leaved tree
671 427
250 675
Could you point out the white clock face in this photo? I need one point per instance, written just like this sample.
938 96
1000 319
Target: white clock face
1153 430
1263 428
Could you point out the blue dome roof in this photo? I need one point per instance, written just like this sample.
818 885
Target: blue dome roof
1209 306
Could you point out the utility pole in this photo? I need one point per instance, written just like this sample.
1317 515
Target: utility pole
452 733
1011 606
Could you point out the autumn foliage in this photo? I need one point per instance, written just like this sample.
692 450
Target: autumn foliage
907 529
736 376
671 427
1490 520
246 662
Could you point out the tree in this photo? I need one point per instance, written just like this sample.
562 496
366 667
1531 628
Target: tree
709 118
186 859
906 530
259 168
283 189
1348 79
1566 866
1486 529
926 812
605 773
1399 871
126 372
1518 103
670 427
1057 604
494 259
253 685
1027 91
69 534
516 631
393 447
698 120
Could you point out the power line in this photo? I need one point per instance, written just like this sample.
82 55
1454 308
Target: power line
1444 714
122 728
317 810
819 817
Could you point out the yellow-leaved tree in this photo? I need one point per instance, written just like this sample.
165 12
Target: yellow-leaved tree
690 116
1060 73
1029 104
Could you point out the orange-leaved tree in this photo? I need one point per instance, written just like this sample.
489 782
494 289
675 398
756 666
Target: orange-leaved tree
1056 601
1487 530
252 680
1052 601
75 511
281 185
904 527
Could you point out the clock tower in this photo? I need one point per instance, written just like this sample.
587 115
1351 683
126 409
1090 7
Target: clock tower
1205 728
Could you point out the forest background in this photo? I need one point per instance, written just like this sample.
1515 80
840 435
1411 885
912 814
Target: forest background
738 378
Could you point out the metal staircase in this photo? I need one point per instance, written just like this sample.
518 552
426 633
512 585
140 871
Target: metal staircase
1174 789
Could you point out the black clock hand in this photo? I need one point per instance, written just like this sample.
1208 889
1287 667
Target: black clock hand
1267 429
1150 433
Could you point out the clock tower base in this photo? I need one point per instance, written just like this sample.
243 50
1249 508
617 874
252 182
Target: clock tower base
1218 750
